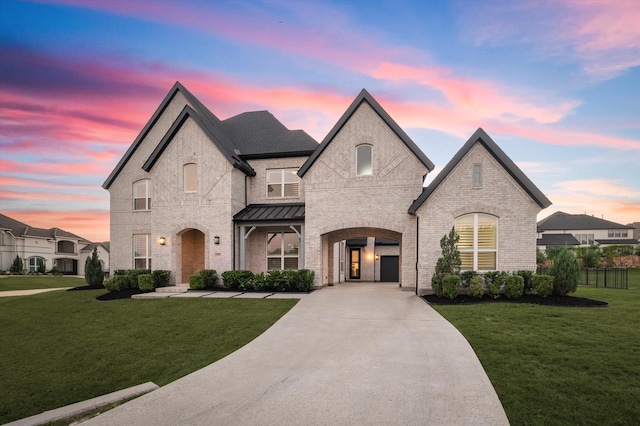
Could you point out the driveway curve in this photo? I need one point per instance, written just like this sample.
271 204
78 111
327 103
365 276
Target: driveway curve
366 354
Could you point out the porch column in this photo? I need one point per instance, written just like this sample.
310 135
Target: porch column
301 254
243 248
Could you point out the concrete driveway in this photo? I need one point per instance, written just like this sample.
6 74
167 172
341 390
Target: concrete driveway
356 354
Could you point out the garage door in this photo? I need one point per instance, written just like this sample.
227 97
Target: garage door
389 268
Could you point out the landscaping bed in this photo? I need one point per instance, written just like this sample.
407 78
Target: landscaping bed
571 301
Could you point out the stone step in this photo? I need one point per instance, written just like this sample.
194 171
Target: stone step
173 289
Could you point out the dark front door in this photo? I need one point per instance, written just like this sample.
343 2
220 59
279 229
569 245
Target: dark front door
354 271
389 268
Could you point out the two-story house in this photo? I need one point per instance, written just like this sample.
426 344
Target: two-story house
195 192
564 229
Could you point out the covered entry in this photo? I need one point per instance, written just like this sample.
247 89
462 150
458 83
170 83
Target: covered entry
192 253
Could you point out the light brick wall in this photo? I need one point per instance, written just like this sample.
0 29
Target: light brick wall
338 199
257 184
500 196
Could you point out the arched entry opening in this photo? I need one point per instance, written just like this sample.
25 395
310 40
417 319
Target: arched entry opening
362 255
192 253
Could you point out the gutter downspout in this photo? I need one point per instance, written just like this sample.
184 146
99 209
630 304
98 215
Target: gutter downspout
417 249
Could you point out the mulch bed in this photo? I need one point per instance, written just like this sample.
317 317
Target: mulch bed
569 301
110 295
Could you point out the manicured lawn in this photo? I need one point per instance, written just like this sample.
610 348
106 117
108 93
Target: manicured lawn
560 365
30 282
63 347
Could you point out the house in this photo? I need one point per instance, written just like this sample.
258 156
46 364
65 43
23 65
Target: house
103 251
56 247
195 192
564 229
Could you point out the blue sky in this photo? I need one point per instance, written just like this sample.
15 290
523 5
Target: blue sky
555 84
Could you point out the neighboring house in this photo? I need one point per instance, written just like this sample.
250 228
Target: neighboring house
564 229
103 250
58 248
636 230
195 192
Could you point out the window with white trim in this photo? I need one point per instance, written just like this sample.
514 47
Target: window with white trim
364 160
142 195
141 251
33 263
477 175
478 241
283 250
190 175
283 183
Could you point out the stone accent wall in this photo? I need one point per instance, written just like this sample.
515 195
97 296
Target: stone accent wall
500 196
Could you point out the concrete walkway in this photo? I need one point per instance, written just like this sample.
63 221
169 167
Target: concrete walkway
10 293
356 354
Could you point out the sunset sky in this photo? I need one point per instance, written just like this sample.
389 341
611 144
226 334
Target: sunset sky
556 84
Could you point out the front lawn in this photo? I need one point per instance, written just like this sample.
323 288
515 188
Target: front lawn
31 282
63 347
560 365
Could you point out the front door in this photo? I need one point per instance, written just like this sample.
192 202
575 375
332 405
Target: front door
354 271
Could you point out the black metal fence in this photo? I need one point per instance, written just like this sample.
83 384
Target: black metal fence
600 277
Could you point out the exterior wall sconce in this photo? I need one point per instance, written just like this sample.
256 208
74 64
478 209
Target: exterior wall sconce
216 240
162 241
377 257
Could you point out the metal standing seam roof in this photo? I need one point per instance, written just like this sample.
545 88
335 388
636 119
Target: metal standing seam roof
271 212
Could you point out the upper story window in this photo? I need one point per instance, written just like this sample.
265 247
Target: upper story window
478 241
66 247
283 183
364 163
477 175
617 233
190 174
142 195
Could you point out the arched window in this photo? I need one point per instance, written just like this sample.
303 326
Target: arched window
142 195
478 243
66 247
190 174
364 163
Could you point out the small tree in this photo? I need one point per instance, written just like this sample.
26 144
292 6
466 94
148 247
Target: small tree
449 263
17 266
41 269
93 274
565 272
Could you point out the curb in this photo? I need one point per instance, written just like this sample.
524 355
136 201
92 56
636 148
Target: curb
85 406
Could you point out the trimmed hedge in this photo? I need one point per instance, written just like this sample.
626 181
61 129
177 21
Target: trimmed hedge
514 286
161 278
196 282
274 280
451 286
543 285
145 282
476 287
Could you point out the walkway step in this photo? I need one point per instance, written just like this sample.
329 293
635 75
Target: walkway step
173 289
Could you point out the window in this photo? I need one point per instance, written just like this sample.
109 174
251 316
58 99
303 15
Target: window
477 175
141 251
283 183
610 234
364 165
142 195
66 247
190 174
617 233
33 263
478 241
282 250
624 233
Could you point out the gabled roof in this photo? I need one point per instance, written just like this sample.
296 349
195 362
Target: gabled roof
249 135
364 96
89 247
481 137
618 241
561 221
557 240
270 212
20 229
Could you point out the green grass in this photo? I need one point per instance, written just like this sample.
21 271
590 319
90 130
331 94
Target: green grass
560 365
63 347
30 282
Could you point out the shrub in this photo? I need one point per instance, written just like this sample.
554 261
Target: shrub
16 266
117 283
302 280
493 281
543 285
210 277
196 282
476 287
566 273
277 280
527 276
465 278
451 286
133 276
161 278
234 279
145 282
514 286
449 263
541 257
590 256
93 274
41 268
54 271
110 284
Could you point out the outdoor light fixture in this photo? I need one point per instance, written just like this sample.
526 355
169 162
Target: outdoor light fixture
216 240
162 241
377 257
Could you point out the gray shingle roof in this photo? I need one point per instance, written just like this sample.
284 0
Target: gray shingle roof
20 229
561 221
271 212
618 241
481 137
557 240
364 96
89 247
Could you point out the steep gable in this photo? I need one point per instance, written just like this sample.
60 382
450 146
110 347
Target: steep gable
364 96
481 137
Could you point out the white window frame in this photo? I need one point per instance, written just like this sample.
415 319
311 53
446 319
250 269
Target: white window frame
34 259
475 249
282 255
282 184
147 194
193 181
365 171
142 256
